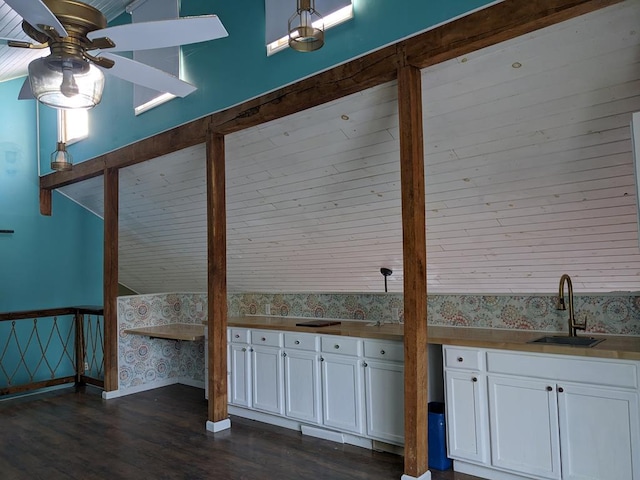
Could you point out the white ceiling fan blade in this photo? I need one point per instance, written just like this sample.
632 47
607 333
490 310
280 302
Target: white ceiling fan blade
36 13
150 77
25 91
162 33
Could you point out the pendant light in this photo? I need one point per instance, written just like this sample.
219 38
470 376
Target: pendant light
61 160
306 28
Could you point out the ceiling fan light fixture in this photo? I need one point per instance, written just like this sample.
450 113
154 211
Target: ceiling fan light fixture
306 27
61 160
66 82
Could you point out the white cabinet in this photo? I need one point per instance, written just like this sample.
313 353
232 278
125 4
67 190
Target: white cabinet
524 426
267 379
342 386
302 378
384 390
586 413
466 401
549 416
239 364
467 434
240 384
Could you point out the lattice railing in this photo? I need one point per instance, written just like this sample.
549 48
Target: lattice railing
93 342
50 347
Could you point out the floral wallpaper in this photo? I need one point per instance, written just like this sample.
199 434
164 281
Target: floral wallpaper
144 360
611 314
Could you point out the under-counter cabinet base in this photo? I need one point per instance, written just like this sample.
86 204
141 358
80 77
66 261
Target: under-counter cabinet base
345 389
513 416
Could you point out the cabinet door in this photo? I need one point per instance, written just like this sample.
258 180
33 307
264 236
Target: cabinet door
240 375
384 394
598 433
302 385
267 391
342 392
524 426
467 435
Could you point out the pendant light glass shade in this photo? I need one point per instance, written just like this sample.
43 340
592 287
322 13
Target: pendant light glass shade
66 82
61 160
306 28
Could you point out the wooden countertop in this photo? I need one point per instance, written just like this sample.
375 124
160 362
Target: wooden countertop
172 331
613 346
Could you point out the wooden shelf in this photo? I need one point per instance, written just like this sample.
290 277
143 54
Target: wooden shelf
173 331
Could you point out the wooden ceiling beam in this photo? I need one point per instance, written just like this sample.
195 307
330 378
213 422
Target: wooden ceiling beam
494 24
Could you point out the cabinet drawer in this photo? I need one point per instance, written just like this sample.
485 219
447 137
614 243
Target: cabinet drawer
393 351
465 358
239 335
301 341
613 373
340 345
265 337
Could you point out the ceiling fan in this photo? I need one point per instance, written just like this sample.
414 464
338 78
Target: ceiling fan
80 46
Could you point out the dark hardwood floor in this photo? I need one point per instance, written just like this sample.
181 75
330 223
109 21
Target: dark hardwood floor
74 434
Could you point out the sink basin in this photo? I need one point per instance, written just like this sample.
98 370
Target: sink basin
570 341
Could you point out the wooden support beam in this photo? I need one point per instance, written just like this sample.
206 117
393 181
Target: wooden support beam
110 294
217 275
414 246
498 23
494 24
45 202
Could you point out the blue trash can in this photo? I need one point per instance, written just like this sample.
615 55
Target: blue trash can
438 459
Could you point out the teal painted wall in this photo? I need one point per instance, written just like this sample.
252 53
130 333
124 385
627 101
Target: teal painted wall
49 261
231 70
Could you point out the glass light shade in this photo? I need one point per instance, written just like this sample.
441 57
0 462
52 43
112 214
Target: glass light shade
306 28
61 160
66 82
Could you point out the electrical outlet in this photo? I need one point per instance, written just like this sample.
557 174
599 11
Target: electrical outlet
267 309
395 314
199 307
86 366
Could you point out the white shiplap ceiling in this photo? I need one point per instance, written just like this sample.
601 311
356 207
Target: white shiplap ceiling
529 174
14 61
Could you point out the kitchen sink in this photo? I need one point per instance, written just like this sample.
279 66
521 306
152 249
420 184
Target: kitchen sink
567 340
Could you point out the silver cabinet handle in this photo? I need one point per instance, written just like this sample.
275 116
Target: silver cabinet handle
284 354
364 364
237 336
381 352
336 346
297 342
460 359
322 359
244 349
474 379
549 388
263 339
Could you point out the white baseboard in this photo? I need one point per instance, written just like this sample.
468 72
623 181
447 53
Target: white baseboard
165 382
191 382
218 426
484 472
322 433
264 417
121 392
425 476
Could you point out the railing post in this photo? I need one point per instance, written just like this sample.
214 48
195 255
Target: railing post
80 347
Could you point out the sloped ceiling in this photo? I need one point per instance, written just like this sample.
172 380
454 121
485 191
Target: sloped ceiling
529 174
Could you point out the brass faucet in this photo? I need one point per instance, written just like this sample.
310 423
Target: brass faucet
561 305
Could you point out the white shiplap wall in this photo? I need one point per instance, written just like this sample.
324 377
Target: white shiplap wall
529 175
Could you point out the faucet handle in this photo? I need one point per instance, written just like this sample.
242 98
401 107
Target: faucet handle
580 326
